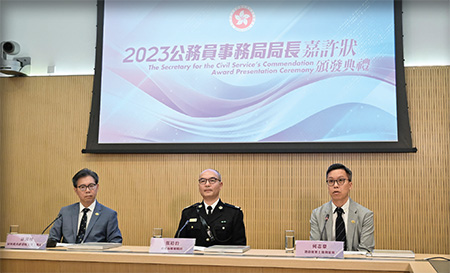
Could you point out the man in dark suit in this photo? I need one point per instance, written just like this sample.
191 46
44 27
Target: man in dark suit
87 220
212 222
355 226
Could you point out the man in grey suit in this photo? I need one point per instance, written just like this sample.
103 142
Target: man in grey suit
87 220
342 219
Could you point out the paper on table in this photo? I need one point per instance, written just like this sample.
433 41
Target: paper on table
227 249
92 246
199 248
392 253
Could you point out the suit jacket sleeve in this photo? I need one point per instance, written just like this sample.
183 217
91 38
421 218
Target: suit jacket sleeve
113 232
314 233
56 230
239 237
367 241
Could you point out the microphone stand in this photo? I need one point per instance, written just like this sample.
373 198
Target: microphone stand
324 225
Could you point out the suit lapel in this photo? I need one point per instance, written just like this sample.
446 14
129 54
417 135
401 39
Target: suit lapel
351 223
217 212
329 225
201 210
95 215
74 219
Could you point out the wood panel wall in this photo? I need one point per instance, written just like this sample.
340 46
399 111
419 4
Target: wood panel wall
44 123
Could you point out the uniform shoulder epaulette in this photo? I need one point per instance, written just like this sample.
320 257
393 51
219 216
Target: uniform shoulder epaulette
192 206
231 206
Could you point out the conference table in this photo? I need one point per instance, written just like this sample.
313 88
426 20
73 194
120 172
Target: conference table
138 259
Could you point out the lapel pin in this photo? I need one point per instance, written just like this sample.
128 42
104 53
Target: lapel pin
353 221
200 206
220 207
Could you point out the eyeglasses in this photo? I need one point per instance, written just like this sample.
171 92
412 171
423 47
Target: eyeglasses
90 186
211 180
340 181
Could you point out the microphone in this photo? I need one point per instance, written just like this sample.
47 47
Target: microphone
326 220
59 216
185 224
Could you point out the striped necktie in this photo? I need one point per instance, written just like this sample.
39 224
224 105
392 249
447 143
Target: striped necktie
340 227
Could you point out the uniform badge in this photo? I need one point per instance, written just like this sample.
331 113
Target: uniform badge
223 221
193 220
220 207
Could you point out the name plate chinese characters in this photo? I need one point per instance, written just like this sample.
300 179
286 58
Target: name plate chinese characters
172 245
26 241
319 249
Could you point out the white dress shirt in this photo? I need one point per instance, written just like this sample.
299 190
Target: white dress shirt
344 216
213 206
88 214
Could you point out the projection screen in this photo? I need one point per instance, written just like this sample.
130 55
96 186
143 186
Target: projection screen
249 77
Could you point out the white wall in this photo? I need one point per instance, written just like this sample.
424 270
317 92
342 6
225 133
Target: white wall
426 31
60 34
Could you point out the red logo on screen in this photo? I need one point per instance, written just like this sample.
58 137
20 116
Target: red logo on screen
242 18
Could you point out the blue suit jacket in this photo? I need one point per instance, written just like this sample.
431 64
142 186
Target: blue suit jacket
103 226
360 227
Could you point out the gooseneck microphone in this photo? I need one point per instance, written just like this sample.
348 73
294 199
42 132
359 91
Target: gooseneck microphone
323 229
59 216
185 224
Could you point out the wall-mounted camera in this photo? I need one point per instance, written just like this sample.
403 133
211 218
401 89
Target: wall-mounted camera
12 67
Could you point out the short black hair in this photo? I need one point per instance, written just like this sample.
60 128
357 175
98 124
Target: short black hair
83 173
339 166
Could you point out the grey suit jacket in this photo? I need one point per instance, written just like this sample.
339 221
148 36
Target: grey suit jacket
360 226
103 226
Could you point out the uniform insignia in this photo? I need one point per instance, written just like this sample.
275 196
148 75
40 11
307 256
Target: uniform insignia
220 207
223 221
193 205
200 206
193 220
231 206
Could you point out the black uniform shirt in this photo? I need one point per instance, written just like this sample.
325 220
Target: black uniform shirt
226 225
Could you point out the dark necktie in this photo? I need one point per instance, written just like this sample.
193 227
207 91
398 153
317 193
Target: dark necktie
82 229
340 227
209 208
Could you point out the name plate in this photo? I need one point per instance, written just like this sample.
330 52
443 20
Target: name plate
172 245
319 249
26 241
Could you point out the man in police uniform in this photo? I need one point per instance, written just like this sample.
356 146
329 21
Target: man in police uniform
212 222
